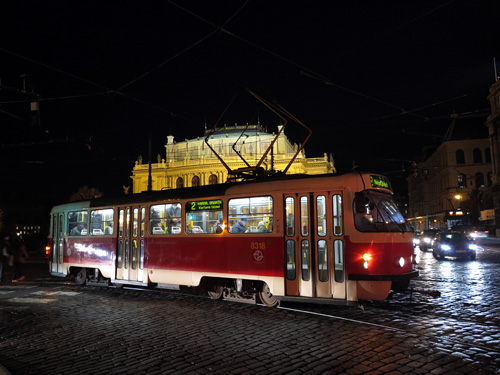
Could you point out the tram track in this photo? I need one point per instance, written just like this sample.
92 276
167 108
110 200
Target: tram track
441 330
441 339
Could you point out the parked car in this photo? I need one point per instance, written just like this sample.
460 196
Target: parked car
453 244
426 237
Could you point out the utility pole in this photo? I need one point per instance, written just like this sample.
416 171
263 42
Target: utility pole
150 179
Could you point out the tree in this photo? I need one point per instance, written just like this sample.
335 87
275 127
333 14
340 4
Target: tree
478 201
84 193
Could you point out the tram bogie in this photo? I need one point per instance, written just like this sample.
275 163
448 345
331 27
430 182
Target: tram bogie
316 238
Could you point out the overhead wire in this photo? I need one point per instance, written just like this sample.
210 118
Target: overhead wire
167 61
308 72
404 24
185 49
42 99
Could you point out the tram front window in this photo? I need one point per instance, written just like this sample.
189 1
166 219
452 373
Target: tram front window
377 212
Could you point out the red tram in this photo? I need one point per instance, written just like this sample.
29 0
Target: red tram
312 238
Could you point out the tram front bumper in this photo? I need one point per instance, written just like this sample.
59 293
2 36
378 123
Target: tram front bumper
398 277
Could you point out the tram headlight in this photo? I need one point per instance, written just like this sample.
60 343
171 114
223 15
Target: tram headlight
399 262
472 246
366 258
415 258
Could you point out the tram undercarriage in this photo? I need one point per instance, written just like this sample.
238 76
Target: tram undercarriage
239 290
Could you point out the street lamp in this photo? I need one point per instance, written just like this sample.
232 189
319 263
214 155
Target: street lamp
458 197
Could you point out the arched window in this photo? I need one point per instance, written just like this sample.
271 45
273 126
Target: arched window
212 180
179 183
462 181
479 180
460 156
490 178
487 155
195 181
478 156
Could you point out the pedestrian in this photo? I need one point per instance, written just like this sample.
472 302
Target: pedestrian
20 254
4 254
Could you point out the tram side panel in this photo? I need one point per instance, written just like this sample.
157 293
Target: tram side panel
245 256
91 252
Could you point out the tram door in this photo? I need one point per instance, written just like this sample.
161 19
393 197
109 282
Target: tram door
314 245
130 246
57 243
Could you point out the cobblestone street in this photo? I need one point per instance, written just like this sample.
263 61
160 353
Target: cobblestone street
51 326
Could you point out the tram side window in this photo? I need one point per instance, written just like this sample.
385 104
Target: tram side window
78 223
101 222
337 214
165 219
321 214
251 215
204 217
290 212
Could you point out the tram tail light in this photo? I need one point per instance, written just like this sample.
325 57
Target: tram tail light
366 259
47 250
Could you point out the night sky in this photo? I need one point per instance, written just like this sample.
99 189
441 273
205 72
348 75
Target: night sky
375 81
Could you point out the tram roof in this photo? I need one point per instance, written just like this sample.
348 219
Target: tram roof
201 191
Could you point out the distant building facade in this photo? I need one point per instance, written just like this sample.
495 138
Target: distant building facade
493 123
454 184
192 163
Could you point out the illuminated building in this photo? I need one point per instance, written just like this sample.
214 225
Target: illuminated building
192 163
453 185
493 123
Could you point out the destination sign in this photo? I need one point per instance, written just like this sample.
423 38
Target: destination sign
380 182
215 204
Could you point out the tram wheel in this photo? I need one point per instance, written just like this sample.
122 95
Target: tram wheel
266 297
81 276
215 291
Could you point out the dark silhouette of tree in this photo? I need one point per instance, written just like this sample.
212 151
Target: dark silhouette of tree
478 201
84 193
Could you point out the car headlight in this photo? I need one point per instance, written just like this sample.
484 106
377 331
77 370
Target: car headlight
472 246
445 247
427 240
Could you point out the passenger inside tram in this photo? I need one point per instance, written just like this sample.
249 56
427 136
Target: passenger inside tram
79 230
